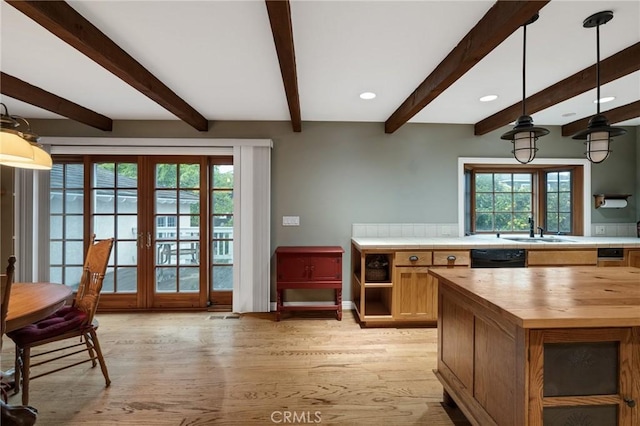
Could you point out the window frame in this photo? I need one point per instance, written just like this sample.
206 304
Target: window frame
581 187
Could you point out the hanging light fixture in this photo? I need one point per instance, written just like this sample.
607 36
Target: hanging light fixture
598 133
16 131
12 146
524 135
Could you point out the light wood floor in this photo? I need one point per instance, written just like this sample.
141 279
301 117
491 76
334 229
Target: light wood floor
205 369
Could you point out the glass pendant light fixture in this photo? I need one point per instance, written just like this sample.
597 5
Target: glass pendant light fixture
12 146
17 138
525 135
598 133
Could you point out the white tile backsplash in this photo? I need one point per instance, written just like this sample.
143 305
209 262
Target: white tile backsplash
391 230
615 229
433 230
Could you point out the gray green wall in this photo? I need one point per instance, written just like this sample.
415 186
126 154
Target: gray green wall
336 174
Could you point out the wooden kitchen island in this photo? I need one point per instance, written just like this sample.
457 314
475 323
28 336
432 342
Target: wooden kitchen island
541 346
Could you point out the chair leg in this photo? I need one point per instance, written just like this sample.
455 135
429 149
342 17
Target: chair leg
89 344
103 365
17 370
26 366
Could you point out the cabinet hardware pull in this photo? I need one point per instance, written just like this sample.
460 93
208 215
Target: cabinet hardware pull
630 402
413 258
451 257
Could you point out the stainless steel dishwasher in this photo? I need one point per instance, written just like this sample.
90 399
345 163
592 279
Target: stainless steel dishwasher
498 258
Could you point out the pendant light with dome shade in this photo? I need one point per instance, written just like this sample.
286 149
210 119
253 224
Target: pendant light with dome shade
598 133
19 146
524 135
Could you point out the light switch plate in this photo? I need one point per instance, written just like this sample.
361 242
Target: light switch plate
290 220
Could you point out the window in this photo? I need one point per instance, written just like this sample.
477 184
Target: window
502 199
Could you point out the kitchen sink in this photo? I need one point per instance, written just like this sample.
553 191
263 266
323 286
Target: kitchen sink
538 239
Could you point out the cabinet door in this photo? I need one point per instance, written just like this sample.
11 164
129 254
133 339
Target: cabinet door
325 267
584 374
634 258
415 294
293 268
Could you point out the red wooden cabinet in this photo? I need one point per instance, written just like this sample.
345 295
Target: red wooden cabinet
312 267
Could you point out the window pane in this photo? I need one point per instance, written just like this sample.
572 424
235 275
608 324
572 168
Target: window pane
522 202
484 222
189 201
127 175
73 201
222 278
127 201
104 226
503 221
223 176
484 202
189 280
223 202
189 176
104 201
73 227
74 176
503 182
484 182
504 202
55 227
166 175
166 201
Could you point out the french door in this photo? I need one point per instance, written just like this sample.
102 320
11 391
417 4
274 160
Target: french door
171 217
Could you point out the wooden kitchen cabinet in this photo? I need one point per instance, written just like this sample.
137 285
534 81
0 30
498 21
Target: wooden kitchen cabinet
564 257
313 267
415 296
372 296
634 258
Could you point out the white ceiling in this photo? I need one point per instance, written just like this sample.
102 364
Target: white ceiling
219 56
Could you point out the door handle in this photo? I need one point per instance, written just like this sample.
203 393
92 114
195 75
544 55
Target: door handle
140 240
148 239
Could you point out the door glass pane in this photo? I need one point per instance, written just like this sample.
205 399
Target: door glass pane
115 197
221 248
177 228
66 201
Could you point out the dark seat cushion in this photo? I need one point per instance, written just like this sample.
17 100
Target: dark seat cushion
62 321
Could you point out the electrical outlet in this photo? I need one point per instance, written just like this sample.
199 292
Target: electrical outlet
600 230
290 220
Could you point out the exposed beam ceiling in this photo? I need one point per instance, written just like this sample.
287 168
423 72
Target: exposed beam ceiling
280 18
25 92
63 21
615 115
496 25
614 67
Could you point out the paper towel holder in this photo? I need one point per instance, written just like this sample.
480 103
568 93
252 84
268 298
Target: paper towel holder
600 200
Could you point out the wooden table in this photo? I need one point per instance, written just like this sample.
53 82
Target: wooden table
31 302
533 346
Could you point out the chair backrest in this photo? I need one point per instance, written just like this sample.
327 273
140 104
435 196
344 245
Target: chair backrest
6 280
95 266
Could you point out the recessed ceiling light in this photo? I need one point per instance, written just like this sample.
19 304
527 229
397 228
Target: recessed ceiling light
604 99
568 114
488 98
367 95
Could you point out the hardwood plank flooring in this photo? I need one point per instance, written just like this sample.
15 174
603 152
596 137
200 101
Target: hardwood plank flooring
205 369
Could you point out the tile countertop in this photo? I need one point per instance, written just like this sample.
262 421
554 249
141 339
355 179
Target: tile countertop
490 241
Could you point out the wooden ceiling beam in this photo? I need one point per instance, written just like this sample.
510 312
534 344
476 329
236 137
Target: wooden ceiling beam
280 18
25 92
66 23
615 115
612 68
496 25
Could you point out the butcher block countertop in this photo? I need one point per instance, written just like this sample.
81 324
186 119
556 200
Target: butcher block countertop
553 297
491 241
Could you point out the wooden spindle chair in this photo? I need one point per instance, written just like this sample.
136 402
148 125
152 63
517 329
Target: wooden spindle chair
70 322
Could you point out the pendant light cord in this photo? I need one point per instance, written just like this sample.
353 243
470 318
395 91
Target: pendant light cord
524 59
598 66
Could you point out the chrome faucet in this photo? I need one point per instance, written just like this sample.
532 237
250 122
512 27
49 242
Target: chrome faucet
532 227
